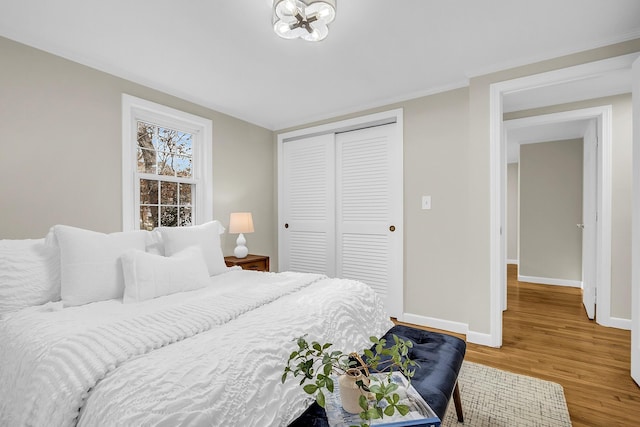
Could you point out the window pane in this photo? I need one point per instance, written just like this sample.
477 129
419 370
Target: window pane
185 194
182 166
169 216
148 192
168 193
186 218
173 165
165 164
148 217
146 160
174 141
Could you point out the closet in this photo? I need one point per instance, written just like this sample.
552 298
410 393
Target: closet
341 207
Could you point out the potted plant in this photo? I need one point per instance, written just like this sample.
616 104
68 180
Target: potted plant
373 397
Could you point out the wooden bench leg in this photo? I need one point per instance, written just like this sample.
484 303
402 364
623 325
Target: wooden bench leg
458 402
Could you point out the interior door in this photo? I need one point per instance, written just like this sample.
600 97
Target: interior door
635 240
308 240
589 215
369 211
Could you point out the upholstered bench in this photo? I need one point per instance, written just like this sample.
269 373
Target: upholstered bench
439 357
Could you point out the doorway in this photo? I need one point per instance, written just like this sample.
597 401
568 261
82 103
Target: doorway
590 125
544 85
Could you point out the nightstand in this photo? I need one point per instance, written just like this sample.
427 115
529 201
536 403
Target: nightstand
250 262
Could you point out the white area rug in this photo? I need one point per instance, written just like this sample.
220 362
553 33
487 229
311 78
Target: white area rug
495 398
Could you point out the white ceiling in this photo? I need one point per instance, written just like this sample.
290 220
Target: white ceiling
224 54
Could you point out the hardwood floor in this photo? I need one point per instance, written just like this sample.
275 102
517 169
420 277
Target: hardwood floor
547 335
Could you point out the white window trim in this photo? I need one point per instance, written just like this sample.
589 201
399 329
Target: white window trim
134 109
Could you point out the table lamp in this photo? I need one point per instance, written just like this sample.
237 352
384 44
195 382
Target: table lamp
241 222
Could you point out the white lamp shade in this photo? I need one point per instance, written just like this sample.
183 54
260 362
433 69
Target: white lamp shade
241 222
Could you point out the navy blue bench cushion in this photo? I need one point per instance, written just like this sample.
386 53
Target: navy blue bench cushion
439 357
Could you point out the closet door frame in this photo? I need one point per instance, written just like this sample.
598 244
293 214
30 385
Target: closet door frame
395 301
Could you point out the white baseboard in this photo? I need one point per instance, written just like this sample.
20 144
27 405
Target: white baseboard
450 326
615 322
480 338
550 281
431 322
512 261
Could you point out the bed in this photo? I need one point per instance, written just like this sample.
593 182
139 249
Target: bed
152 329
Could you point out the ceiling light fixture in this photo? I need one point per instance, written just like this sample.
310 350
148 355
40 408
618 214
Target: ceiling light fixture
306 19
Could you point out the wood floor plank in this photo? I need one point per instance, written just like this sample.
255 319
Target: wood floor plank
546 334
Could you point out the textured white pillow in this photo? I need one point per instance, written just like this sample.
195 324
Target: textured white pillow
29 274
148 276
90 263
205 236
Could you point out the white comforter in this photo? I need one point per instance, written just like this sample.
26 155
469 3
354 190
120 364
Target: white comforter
209 357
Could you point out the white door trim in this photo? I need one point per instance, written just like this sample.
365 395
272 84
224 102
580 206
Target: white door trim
497 187
635 233
376 119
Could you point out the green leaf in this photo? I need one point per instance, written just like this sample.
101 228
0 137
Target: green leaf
395 398
310 388
330 385
284 377
389 410
403 409
320 398
316 346
375 389
302 343
373 414
391 388
362 401
327 369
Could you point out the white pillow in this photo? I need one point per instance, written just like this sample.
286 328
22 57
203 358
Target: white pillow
29 274
148 276
205 236
90 263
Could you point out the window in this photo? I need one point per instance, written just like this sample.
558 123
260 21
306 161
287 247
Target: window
167 166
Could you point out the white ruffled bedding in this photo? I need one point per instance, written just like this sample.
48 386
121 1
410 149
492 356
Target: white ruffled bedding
211 357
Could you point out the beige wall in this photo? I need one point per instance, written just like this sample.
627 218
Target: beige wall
621 175
550 208
435 135
60 144
464 137
512 212
78 120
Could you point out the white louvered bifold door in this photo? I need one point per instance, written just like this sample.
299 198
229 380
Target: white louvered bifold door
369 211
309 205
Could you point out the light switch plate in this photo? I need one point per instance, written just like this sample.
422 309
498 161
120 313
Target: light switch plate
426 202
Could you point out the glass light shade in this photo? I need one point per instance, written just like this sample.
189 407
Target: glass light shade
305 19
240 222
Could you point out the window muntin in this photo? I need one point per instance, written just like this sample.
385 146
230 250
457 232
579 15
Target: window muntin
166 166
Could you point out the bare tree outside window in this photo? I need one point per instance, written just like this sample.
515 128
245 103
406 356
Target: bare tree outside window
167 155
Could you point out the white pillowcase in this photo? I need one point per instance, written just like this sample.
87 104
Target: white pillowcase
148 276
90 263
205 236
29 274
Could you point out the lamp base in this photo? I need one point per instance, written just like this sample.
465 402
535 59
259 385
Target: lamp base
241 251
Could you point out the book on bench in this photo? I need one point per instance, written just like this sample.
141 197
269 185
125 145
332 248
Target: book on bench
420 413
